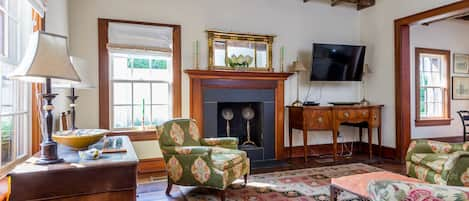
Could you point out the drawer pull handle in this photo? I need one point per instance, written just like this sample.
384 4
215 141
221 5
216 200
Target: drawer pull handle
346 114
364 113
320 120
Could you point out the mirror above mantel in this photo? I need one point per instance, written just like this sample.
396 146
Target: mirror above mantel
239 51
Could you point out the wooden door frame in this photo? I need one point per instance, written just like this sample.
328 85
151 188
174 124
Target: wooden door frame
402 62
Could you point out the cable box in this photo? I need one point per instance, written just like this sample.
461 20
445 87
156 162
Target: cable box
310 103
344 103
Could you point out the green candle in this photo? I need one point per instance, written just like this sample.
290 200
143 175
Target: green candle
197 48
143 112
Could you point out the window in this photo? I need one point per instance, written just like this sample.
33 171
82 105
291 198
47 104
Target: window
432 86
140 87
139 75
15 26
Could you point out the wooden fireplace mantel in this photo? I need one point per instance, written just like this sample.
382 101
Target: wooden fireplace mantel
241 75
203 79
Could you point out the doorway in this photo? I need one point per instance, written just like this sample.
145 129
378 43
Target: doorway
402 48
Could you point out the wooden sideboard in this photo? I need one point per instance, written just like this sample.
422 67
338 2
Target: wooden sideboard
323 118
110 178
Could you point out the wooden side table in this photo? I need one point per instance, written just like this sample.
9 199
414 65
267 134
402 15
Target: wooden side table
320 118
110 178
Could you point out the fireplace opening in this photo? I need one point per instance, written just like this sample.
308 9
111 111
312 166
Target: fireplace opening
243 120
258 106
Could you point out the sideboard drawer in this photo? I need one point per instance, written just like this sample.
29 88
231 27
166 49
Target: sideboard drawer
375 119
353 115
317 119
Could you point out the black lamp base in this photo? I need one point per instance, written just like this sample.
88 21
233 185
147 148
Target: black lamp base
48 154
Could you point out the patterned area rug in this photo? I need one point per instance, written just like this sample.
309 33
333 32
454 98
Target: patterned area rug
295 185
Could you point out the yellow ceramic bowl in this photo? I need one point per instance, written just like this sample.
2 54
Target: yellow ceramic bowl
79 138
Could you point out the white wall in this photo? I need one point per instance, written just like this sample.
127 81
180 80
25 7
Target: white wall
57 22
296 24
446 35
377 32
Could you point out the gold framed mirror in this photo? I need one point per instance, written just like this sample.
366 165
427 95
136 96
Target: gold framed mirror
238 51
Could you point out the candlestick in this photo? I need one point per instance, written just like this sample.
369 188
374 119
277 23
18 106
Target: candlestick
196 54
282 58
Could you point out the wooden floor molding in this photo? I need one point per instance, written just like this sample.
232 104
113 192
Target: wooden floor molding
454 139
326 149
157 165
151 165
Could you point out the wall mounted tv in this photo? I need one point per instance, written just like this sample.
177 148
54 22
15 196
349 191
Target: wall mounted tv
337 62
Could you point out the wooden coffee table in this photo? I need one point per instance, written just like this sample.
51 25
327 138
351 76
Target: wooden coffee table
358 184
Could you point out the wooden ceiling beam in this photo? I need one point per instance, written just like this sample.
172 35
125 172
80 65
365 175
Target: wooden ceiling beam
447 16
361 4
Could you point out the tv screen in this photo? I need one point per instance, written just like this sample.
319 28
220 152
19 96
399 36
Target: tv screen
337 62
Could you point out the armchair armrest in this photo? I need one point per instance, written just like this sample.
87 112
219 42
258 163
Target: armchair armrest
465 146
225 142
430 146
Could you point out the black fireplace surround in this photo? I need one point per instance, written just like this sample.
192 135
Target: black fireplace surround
262 126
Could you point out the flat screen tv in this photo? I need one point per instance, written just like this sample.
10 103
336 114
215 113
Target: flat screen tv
337 62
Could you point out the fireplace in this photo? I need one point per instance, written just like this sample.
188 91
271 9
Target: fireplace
263 92
260 145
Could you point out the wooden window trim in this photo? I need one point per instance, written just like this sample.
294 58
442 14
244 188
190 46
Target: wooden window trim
447 99
104 99
137 135
36 88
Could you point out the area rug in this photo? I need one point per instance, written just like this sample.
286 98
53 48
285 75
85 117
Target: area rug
295 185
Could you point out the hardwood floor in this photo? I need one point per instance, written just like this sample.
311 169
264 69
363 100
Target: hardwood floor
156 192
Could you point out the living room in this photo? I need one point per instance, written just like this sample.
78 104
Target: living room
234 100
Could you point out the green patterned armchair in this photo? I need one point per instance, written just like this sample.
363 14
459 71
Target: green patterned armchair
439 162
191 161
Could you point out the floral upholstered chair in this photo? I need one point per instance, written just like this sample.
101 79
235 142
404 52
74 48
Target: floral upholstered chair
386 190
439 162
194 161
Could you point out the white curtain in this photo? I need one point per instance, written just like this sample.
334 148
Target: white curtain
140 37
39 5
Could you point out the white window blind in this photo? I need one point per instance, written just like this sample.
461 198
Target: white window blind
140 37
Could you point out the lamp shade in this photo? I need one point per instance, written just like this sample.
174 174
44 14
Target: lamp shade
298 67
46 57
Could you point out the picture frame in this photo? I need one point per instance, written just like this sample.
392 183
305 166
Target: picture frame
239 51
461 63
460 88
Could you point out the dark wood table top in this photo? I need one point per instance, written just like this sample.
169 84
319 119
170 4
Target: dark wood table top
113 172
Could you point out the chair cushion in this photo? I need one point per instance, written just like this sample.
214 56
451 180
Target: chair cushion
227 158
435 162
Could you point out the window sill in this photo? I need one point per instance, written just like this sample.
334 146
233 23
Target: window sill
137 135
433 122
11 165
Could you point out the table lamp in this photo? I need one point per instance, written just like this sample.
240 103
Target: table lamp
47 59
80 67
297 68
366 72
